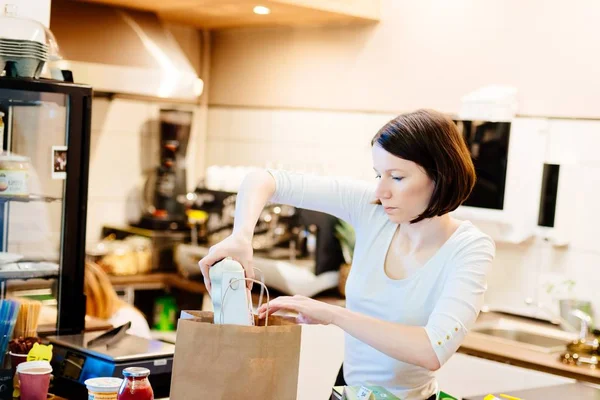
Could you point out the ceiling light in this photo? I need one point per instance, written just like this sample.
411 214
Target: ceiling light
262 10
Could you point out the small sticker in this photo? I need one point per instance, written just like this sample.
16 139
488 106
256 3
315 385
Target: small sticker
364 393
160 362
59 162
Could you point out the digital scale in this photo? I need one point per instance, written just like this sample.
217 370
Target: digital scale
77 358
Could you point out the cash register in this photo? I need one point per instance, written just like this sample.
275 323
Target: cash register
90 355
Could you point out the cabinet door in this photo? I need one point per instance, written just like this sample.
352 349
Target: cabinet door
465 375
36 133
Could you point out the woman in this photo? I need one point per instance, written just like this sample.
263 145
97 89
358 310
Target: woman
102 302
418 275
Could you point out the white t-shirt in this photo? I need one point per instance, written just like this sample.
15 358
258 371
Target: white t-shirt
444 296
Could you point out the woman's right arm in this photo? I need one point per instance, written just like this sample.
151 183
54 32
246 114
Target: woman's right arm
346 199
255 191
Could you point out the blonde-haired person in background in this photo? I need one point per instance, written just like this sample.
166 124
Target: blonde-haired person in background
102 302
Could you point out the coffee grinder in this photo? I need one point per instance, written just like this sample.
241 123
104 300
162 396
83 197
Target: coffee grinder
165 190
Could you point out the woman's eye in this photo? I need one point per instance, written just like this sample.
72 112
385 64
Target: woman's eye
397 178
377 176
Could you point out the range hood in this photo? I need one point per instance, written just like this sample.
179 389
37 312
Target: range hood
122 51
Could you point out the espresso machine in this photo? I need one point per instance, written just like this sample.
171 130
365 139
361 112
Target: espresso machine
165 189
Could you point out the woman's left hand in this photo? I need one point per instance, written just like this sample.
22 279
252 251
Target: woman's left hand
309 311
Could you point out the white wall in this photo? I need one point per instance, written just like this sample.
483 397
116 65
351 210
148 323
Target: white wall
38 10
425 53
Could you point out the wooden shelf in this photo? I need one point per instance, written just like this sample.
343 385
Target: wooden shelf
218 14
166 279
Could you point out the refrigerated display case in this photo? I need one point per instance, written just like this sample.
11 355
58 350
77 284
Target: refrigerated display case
45 134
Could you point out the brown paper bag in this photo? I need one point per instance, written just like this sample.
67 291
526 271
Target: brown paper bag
228 362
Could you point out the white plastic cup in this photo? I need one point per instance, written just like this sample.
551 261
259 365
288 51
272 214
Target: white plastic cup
103 388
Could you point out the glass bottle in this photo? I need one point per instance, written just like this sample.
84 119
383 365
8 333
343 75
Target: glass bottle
136 385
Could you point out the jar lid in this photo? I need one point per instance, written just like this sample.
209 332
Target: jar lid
103 385
136 372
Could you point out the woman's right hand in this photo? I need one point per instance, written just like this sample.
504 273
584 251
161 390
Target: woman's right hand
235 246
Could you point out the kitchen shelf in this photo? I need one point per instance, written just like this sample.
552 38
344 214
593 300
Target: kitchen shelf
26 271
29 199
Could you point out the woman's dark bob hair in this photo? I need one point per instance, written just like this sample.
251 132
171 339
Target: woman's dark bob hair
432 140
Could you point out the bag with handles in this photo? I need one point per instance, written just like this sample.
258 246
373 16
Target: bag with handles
238 356
221 362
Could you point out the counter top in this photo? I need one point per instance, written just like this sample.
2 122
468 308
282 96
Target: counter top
568 391
494 349
475 344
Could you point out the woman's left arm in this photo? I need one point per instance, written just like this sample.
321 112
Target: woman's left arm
427 346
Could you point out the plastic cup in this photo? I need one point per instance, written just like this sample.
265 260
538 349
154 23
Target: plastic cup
103 388
34 378
16 359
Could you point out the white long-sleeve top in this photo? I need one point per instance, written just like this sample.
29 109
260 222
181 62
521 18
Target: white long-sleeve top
444 296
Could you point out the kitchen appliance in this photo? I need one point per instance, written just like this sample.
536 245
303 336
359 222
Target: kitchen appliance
508 156
232 303
77 358
165 190
487 142
141 57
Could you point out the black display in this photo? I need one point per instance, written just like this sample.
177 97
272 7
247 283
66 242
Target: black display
488 144
72 366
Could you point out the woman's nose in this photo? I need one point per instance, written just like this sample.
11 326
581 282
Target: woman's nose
381 191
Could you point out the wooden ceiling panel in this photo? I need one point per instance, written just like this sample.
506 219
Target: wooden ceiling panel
216 14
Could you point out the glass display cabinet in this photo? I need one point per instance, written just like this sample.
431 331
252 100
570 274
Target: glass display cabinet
45 133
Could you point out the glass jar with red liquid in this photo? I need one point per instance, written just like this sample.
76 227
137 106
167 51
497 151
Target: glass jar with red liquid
135 385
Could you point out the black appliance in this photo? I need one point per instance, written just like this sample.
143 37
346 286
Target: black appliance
294 224
488 144
165 190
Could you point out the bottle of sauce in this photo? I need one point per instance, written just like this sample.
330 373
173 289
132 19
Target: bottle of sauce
136 385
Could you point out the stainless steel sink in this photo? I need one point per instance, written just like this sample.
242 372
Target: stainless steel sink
548 344
543 339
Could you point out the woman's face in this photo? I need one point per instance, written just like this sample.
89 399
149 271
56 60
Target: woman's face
403 187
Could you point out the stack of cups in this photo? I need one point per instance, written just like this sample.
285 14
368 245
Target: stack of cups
34 378
17 359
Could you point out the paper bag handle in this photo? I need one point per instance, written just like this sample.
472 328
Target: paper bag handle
263 286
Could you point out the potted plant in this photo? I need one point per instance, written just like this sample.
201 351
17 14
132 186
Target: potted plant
347 238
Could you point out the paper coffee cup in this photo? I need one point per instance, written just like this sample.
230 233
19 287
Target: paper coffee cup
34 378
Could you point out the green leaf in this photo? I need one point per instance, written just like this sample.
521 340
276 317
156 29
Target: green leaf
345 234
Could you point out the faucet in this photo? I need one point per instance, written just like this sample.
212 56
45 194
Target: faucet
585 323
556 319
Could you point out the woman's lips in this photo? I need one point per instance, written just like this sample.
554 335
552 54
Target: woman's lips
389 209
